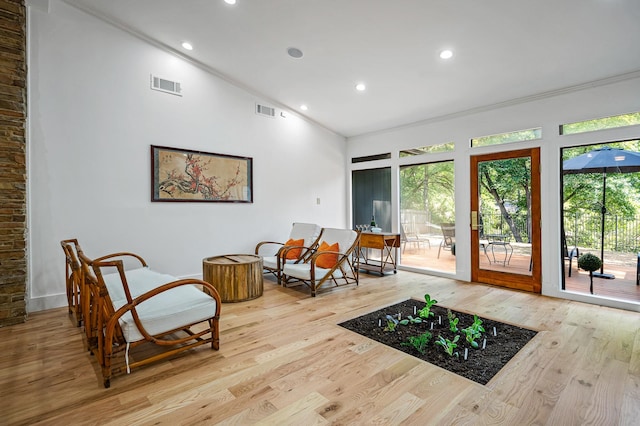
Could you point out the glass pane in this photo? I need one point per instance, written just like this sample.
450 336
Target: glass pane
601 123
518 136
431 149
427 214
601 216
504 219
371 197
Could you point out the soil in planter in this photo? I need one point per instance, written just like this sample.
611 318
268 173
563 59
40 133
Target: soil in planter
481 364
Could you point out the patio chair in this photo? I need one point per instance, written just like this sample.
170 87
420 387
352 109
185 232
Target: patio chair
73 279
411 238
136 306
448 238
569 254
331 262
302 238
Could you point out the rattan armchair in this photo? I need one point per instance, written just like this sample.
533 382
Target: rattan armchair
313 274
272 252
129 308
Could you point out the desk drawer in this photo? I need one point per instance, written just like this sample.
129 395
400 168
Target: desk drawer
372 241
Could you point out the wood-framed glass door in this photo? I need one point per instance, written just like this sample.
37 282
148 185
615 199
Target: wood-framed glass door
505 219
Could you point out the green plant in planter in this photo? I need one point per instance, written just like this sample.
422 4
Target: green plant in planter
426 311
453 321
411 320
392 323
419 343
473 332
589 262
448 345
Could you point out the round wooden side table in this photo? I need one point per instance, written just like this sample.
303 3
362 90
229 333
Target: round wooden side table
237 277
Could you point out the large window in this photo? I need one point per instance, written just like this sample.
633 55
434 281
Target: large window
427 216
601 216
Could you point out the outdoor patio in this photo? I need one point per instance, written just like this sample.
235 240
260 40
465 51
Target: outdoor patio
621 265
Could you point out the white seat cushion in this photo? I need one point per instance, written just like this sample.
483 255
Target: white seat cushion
271 262
303 271
169 310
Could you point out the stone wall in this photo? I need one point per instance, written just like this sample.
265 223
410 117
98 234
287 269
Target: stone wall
13 172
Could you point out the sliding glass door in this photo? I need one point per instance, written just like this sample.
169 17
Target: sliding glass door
427 216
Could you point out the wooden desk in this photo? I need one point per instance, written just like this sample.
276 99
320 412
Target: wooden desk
387 243
237 277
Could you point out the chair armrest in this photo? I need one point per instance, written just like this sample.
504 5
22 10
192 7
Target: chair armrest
121 254
260 244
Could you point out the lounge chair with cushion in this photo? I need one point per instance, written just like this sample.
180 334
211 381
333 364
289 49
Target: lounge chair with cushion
332 261
302 238
136 306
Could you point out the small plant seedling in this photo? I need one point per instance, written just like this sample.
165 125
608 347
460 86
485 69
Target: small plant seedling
448 345
411 320
419 343
473 332
453 321
392 323
426 311
471 336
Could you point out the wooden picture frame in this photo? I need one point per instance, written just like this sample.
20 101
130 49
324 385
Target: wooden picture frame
186 175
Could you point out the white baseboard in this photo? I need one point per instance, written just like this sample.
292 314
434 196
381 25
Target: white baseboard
35 304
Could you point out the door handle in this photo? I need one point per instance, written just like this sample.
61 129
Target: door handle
474 220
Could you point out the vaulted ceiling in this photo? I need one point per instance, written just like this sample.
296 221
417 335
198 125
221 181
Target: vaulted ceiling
503 51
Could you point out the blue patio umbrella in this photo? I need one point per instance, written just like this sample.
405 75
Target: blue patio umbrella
603 160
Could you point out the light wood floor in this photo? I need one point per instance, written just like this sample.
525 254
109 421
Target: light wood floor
284 361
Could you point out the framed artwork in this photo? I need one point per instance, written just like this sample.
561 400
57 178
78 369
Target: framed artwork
185 175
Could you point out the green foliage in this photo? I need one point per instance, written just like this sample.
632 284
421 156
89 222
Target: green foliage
585 189
448 345
426 311
419 343
474 332
517 136
410 320
392 323
506 185
429 188
453 321
602 123
589 262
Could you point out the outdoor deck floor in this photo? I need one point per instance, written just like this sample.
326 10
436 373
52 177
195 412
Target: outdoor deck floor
622 266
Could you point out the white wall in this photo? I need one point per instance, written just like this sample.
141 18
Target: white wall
92 119
549 112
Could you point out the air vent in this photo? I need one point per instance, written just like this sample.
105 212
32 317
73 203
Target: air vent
265 111
166 86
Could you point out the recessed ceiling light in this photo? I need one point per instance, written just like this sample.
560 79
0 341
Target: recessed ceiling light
294 52
187 45
230 1
360 87
446 54
304 107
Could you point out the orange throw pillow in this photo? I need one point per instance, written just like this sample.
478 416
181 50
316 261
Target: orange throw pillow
295 252
328 260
